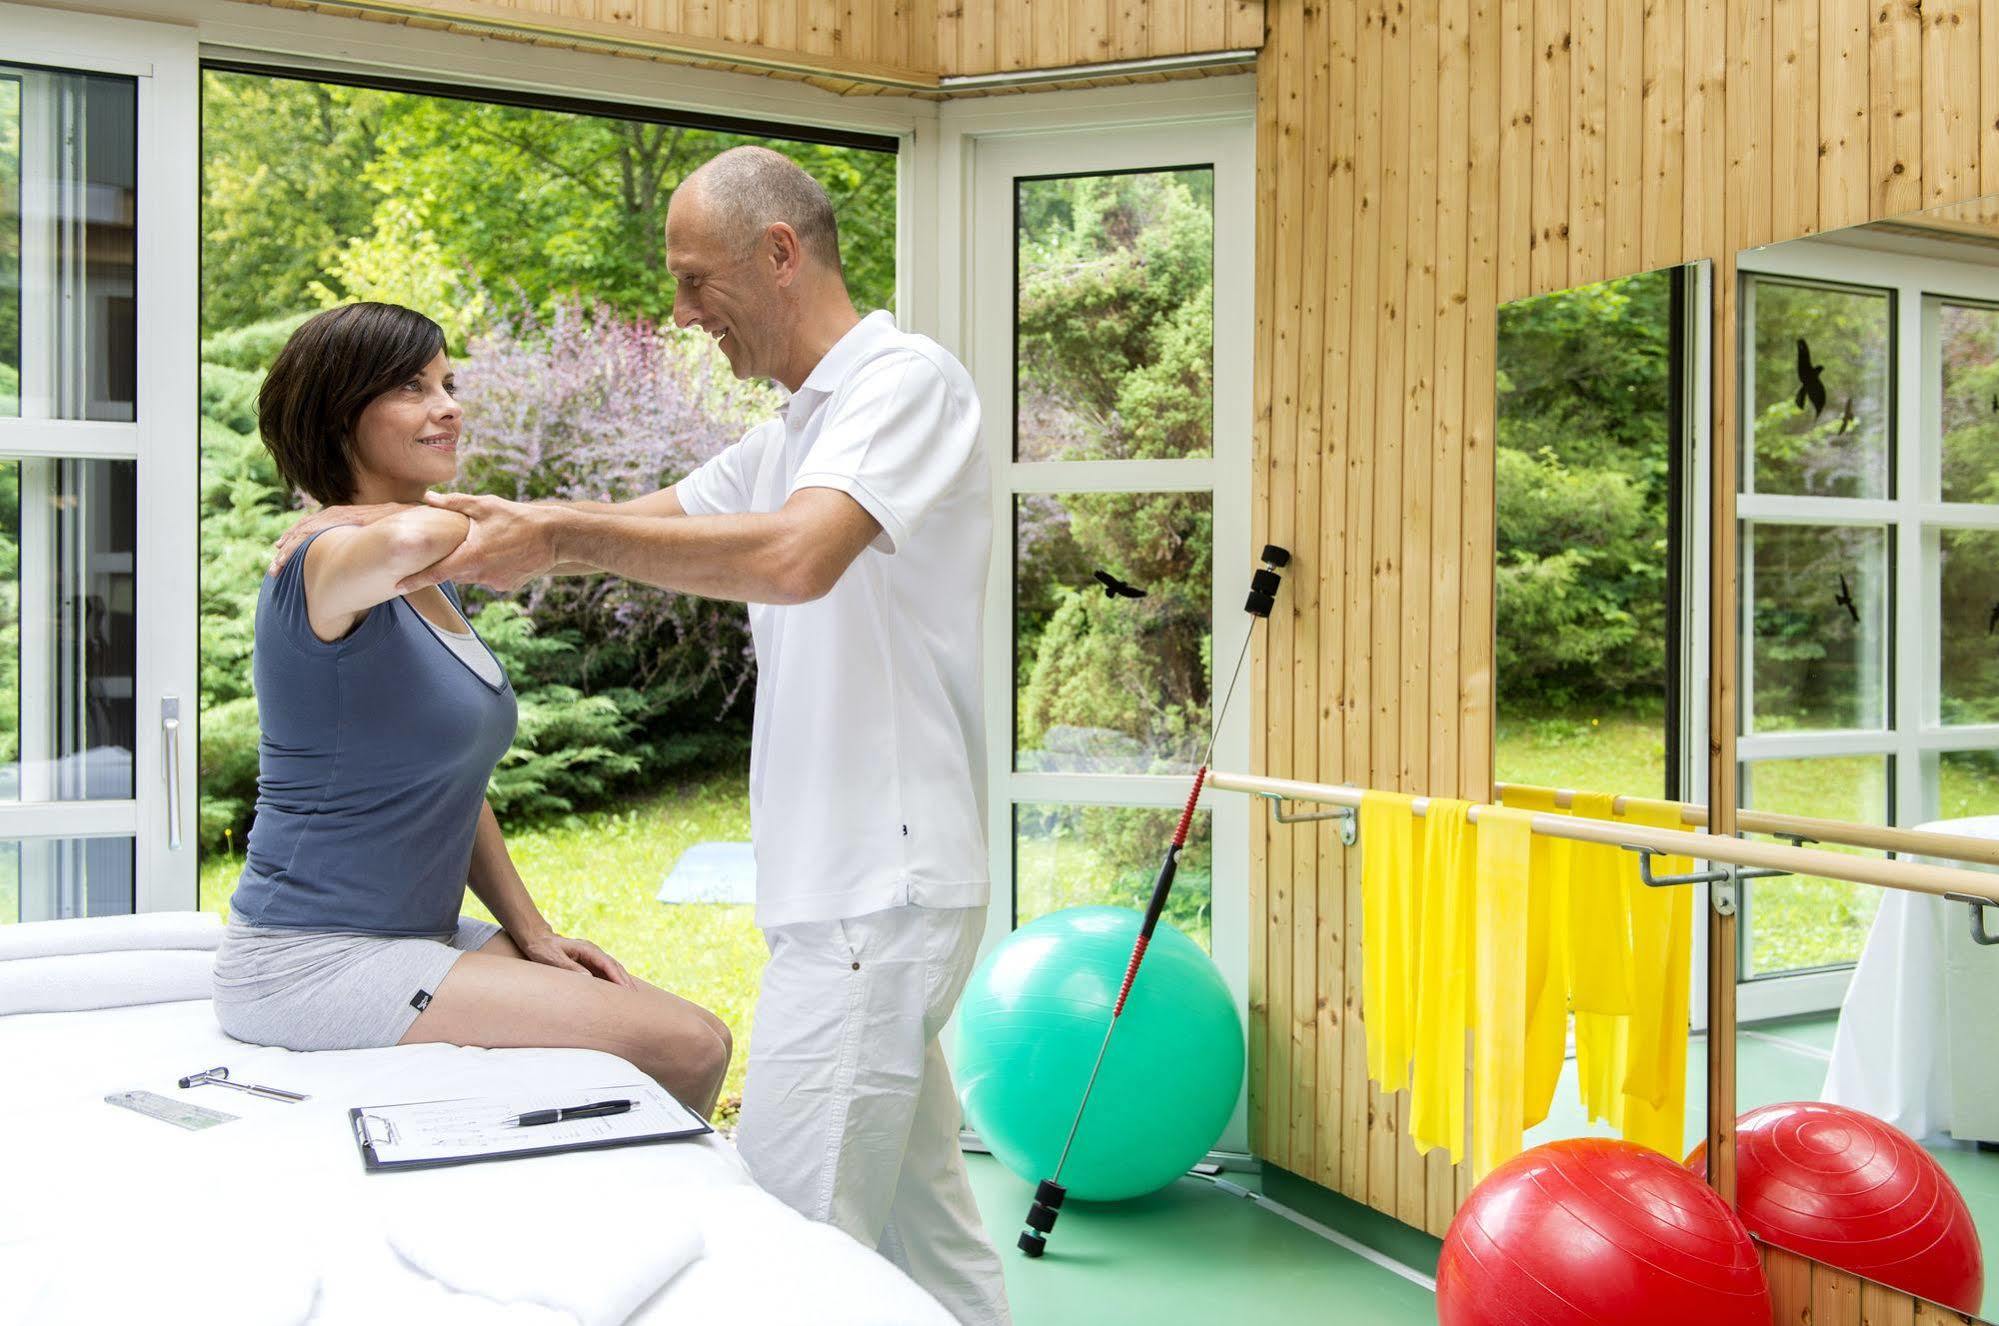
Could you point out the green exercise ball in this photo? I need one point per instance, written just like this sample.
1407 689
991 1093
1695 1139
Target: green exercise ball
1032 1020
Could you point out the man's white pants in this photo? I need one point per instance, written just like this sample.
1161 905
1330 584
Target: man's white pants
849 1115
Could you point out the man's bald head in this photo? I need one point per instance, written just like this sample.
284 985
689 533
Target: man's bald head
746 190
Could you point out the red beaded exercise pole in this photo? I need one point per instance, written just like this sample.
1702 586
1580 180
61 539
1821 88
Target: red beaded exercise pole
1049 1194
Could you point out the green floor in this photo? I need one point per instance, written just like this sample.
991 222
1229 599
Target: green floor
1199 1253
1193 1253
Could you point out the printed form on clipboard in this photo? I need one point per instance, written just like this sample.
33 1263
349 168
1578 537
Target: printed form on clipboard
422 1134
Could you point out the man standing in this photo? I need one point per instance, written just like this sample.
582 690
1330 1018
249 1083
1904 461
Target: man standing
858 527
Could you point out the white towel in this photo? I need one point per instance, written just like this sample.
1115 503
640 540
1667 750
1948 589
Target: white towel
71 982
111 934
490 1230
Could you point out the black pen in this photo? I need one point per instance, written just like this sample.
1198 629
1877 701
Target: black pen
596 1111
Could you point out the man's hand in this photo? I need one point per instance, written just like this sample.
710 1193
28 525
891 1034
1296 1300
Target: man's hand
510 544
327 518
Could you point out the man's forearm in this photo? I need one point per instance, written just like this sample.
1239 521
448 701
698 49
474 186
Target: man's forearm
750 558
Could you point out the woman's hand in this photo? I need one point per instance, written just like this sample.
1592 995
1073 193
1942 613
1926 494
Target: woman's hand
577 955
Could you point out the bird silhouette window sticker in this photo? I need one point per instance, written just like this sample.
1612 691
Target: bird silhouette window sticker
1968 346
1818 608
1112 612
1823 377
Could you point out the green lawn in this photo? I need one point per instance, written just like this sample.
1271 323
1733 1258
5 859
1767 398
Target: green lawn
595 876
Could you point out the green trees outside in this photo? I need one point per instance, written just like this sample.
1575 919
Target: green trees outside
1115 344
1584 381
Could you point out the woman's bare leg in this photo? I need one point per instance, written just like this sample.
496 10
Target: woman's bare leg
497 999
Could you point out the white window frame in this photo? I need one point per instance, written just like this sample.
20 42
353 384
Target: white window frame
1920 274
1220 135
162 441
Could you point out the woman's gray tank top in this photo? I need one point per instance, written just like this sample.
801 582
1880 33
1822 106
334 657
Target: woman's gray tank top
373 760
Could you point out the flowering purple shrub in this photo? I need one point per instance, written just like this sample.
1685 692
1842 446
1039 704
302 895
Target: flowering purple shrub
589 404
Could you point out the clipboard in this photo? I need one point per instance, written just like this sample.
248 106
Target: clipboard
467 1130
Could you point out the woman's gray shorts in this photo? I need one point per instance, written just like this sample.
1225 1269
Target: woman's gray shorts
331 989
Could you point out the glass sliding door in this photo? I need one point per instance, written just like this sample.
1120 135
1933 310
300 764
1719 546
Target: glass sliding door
97 463
1111 349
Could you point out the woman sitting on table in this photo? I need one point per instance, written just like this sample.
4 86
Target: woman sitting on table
382 719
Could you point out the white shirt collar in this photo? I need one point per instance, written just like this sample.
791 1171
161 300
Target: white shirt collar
833 366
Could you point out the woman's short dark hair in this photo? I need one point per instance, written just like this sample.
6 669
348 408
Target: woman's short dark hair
333 365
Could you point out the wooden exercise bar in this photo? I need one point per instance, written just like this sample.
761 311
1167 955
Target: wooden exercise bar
1910 842
1887 874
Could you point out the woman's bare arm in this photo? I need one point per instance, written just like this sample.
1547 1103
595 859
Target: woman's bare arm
498 884
351 568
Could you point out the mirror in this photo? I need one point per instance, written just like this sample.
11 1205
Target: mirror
1868 415
1600 645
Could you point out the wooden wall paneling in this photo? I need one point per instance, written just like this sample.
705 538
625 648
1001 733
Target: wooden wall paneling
1835 1297
1705 140
1306 973
1794 117
1790 1279
1624 137
1283 625
953 33
1882 1306
1269 164
981 39
1246 24
1548 240
1894 121
1166 27
1051 34
1363 1099
1988 103
1664 148
1342 1049
1932 1314
1746 123
1419 409
1207 25
1385 728
1588 67
819 33
1950 123
1513 229
1129 21
1843 114
1455 80
1684 129
1014 22
1089 32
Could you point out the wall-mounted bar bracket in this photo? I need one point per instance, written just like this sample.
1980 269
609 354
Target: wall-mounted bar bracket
1724 882
1348 817
1979 934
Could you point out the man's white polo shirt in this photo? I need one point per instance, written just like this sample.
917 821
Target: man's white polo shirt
867 761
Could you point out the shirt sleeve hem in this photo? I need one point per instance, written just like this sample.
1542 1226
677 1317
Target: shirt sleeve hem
893 529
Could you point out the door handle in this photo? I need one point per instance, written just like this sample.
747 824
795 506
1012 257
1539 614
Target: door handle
170 745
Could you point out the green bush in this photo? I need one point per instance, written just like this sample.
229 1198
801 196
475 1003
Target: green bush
251 348
1581 584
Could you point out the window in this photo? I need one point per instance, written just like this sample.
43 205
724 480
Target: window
1114 321
1869 560
97 220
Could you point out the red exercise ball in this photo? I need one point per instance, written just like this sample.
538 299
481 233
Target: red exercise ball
1844 1188
1592 1230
